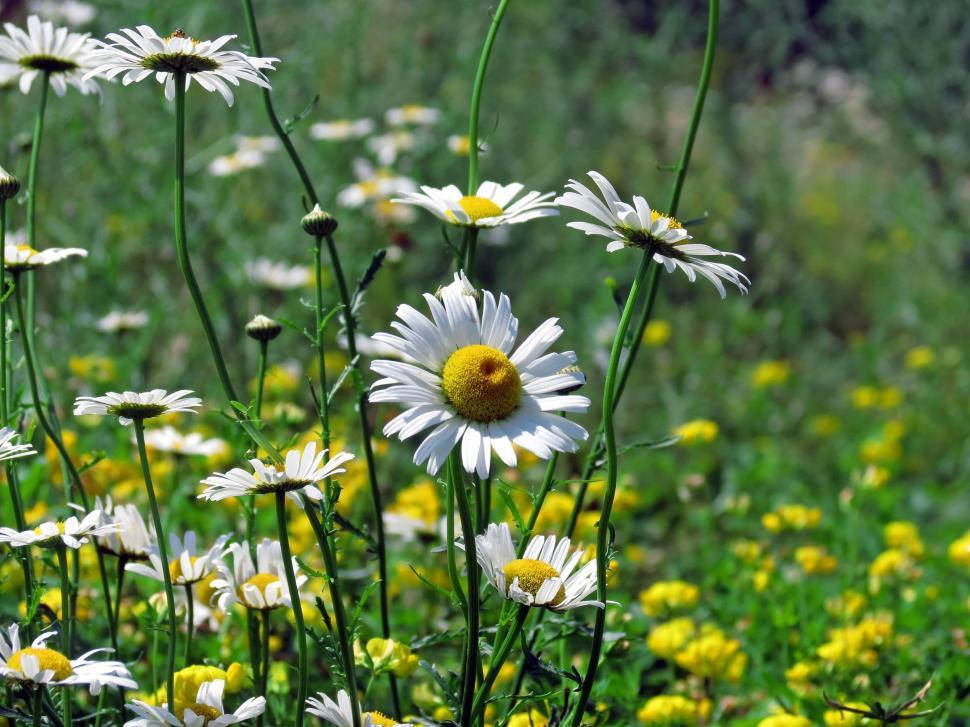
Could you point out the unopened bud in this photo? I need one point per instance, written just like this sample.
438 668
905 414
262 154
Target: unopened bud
319 223
9 185
263 328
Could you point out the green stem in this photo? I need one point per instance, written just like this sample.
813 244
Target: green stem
263 347
471 244
65 624
496 662
4 408
189 622
470 672
339 612
163 557
477 97
264 653
120 578
37 708
324 412
32 185
297 608
452 563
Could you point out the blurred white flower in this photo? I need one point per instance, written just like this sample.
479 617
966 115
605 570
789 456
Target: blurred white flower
169 439
387 146
69 58
342 129
71 12
278 276
412 114
373 184
17 258
118 321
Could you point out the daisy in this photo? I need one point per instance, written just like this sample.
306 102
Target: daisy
261 587
71 532
490 206
373 184
18 258
133 405
412 114
185 567
69 58
205 711
299 473
238 161
341 713
543 576
471 386
10 449
639 226
71 12
342 129
387 146
169 439
142 52
133 539
278 276
119 321
44 666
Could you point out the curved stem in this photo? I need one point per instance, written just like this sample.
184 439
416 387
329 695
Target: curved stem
297 608
324 412
65 624
120 578
470 672
496 662
477 96
163 557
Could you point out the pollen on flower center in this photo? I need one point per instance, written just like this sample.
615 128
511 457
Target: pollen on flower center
380 720
175 569
51 64
204 711
478 208
60 529
532 574
46 658
643 238
261 581
481 383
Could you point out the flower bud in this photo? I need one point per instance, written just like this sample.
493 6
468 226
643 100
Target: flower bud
319 223
263 328
9 185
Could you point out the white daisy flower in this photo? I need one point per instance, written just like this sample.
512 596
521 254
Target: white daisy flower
71 532
184 566
387 146
133 539
373 184
68 57
41 665
490 206
261 587
639 226
10 449
341 712
543 576
71 12
132 405
299 473
141 52
238 161
18 258
169 439
261 144
278 276
342 129
471 386
206 711
119 321
412 114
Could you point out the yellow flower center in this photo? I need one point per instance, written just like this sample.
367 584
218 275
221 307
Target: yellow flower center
175 569
60 529
261 581
478 208
674 222
26 248
481 383
203 710
376 718
47 659
532 574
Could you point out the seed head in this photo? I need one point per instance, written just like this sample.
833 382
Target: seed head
319 223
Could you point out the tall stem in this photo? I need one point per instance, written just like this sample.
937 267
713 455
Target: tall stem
297 608
163 557
324 412
66 616
261 381
470 672
189 622
264 652
497 660
477 96
32 185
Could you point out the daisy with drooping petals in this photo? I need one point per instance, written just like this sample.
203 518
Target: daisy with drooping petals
205 711
341 712
10 449
141 52
133 539
185 567
260 587
71 532
47 667
490 206
468 383
18 258
69 58
171 440
300 472
132 405
638 225
543 576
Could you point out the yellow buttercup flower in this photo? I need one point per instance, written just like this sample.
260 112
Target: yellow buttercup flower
920 357
697 431
799 675
532 718
713 655
770 373
791 517
890 562
673 709
959 550
842 718
815 559
857 644
785 720
657 333
904 535
384 655
668 638
848 605
665 596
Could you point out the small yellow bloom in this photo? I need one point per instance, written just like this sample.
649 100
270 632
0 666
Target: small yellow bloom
824 425
770 373
668 638
668 709
890 562
904 536
657 333
383 655
959 550
841 718
532 718
697 431
791 517
665 596
815 559
713 655
799 675
920 357
785 720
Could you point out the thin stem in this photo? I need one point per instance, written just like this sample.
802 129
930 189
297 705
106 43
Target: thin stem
65 624
4 408
339 612
477 97
163 557
450 534
496 662
264 653
189 622
32 185
263 347
120 578
297 608
470 672
324 412
37 708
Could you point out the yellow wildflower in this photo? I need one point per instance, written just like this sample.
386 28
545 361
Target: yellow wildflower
770 373
959 550
785 720
673 709
920 357
841 718
791 517
815 559
890 562
713 655
532 718
665 596
904 535
657 333
697 431
666 639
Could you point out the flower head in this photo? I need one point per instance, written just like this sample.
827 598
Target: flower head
543 576
42 665
260 587
185 567
10 449
72 533
341 129
638 225
341 713
141 52
169 439
69 58
131 538
205 710
18 258
119 321
263 328
412 114
468 383
9 185
132 405
278 276
491 205
300 472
